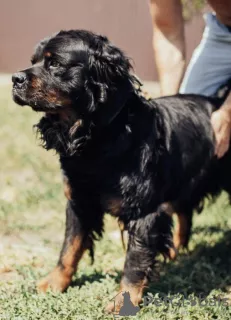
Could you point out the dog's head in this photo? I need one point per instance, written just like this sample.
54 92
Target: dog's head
76 72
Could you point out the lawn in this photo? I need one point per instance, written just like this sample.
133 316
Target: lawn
32 227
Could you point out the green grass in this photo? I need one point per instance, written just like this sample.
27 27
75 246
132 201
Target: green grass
32 227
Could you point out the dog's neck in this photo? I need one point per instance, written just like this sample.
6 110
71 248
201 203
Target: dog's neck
69 134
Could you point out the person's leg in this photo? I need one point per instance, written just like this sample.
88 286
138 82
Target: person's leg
210 66
168 43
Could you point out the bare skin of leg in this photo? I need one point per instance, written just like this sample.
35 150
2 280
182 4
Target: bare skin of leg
73 248
168 43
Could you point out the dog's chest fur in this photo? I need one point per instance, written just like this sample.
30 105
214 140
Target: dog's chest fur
112 187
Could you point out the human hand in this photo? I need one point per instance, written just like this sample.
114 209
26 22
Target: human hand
221 123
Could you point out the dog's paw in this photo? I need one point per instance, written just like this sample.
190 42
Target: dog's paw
173 253
56 281
115 306
110 308
124 303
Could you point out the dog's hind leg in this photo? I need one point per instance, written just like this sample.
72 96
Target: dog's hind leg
182 231
75 243
148 236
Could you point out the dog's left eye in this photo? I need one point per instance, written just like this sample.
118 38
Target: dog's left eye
54 64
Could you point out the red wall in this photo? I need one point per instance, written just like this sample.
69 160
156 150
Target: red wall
126 22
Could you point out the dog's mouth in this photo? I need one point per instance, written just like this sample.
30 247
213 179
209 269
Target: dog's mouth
19 97
38 108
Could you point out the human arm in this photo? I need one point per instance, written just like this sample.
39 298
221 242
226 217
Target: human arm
221 123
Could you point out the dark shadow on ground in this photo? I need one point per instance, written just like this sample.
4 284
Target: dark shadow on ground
96 276
206 268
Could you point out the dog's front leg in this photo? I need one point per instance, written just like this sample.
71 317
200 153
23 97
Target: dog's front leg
139 260
148 236
75 243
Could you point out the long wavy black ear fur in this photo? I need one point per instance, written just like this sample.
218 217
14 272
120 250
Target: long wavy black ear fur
110 83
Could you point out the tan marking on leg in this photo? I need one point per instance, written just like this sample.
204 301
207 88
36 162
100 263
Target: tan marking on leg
60 278
168 208
114 206
136 294
67 188
72 256
135 290
173 252
56 281
180 234
122 230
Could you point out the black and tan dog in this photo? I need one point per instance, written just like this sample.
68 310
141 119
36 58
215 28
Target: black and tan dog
137 159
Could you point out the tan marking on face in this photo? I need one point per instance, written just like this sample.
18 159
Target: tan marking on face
55 98
36 83
51 96
48 54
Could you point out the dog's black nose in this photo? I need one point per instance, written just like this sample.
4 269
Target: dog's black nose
18 78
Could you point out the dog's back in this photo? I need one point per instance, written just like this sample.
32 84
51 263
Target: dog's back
192 167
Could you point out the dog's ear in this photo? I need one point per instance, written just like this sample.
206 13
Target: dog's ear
110 81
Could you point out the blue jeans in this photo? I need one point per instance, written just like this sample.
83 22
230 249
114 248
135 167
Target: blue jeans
210 66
